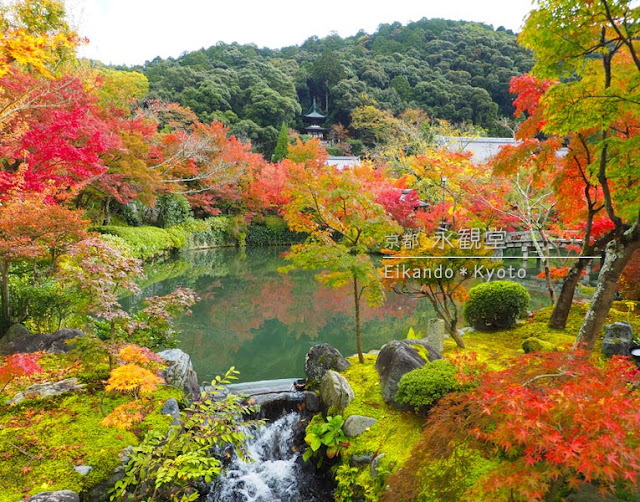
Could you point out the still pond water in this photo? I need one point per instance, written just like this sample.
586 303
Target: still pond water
263 322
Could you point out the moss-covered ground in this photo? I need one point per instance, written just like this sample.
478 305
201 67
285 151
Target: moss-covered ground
41 440
396 432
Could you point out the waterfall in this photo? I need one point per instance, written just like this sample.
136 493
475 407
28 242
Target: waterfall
277 472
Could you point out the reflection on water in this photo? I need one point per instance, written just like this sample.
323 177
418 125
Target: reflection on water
264 322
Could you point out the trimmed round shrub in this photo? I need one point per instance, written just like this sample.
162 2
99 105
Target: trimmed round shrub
496 305
422 387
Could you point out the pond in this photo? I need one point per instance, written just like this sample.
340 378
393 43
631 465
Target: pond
263 322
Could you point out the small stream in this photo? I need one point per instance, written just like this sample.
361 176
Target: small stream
277 473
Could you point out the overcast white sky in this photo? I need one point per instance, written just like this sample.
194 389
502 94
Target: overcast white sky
132 31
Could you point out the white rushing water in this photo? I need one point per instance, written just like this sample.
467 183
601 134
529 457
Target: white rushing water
276 473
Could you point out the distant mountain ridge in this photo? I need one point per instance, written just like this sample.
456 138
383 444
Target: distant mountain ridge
454 70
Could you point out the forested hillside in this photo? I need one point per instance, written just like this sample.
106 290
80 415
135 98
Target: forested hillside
454 70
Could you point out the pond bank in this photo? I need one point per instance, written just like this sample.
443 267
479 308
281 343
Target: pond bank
150 243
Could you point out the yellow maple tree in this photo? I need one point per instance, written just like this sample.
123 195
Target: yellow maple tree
35 36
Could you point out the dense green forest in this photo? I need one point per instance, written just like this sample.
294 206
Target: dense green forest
454 70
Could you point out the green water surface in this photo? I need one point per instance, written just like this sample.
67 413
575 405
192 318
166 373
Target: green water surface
263 322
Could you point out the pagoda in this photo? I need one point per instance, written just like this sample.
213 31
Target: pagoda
313 121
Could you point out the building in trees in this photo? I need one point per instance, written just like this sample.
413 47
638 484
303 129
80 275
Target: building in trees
313 124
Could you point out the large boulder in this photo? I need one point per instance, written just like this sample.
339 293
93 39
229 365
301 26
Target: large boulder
180 372
48 389
322 358
275 404
399 357
18 339
357 424
618 338
335 390
58 496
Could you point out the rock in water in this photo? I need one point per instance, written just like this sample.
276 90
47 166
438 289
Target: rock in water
320 359
180 372
618 338
357 424
58 496
335 390
397 358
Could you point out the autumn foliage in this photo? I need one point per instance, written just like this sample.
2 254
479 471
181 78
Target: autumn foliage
138 375
18 365
553 422
125 416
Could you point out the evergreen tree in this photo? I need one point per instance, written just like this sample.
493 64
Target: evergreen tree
282 146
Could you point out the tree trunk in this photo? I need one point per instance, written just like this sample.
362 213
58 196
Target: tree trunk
107 212
453 333
618 254
356 298
4 293
560 313
453 325
544 258
547 273
326 98
112 339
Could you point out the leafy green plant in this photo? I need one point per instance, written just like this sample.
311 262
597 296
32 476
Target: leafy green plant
43 304
496 305
422 387
238 229
173 209
412 335
167 467
353 483
325 433
348 486
149 242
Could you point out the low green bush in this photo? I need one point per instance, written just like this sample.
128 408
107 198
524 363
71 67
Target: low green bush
211 232
496 305
422 387
43 306
274 231
149 242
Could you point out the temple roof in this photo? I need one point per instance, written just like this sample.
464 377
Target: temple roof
314 113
